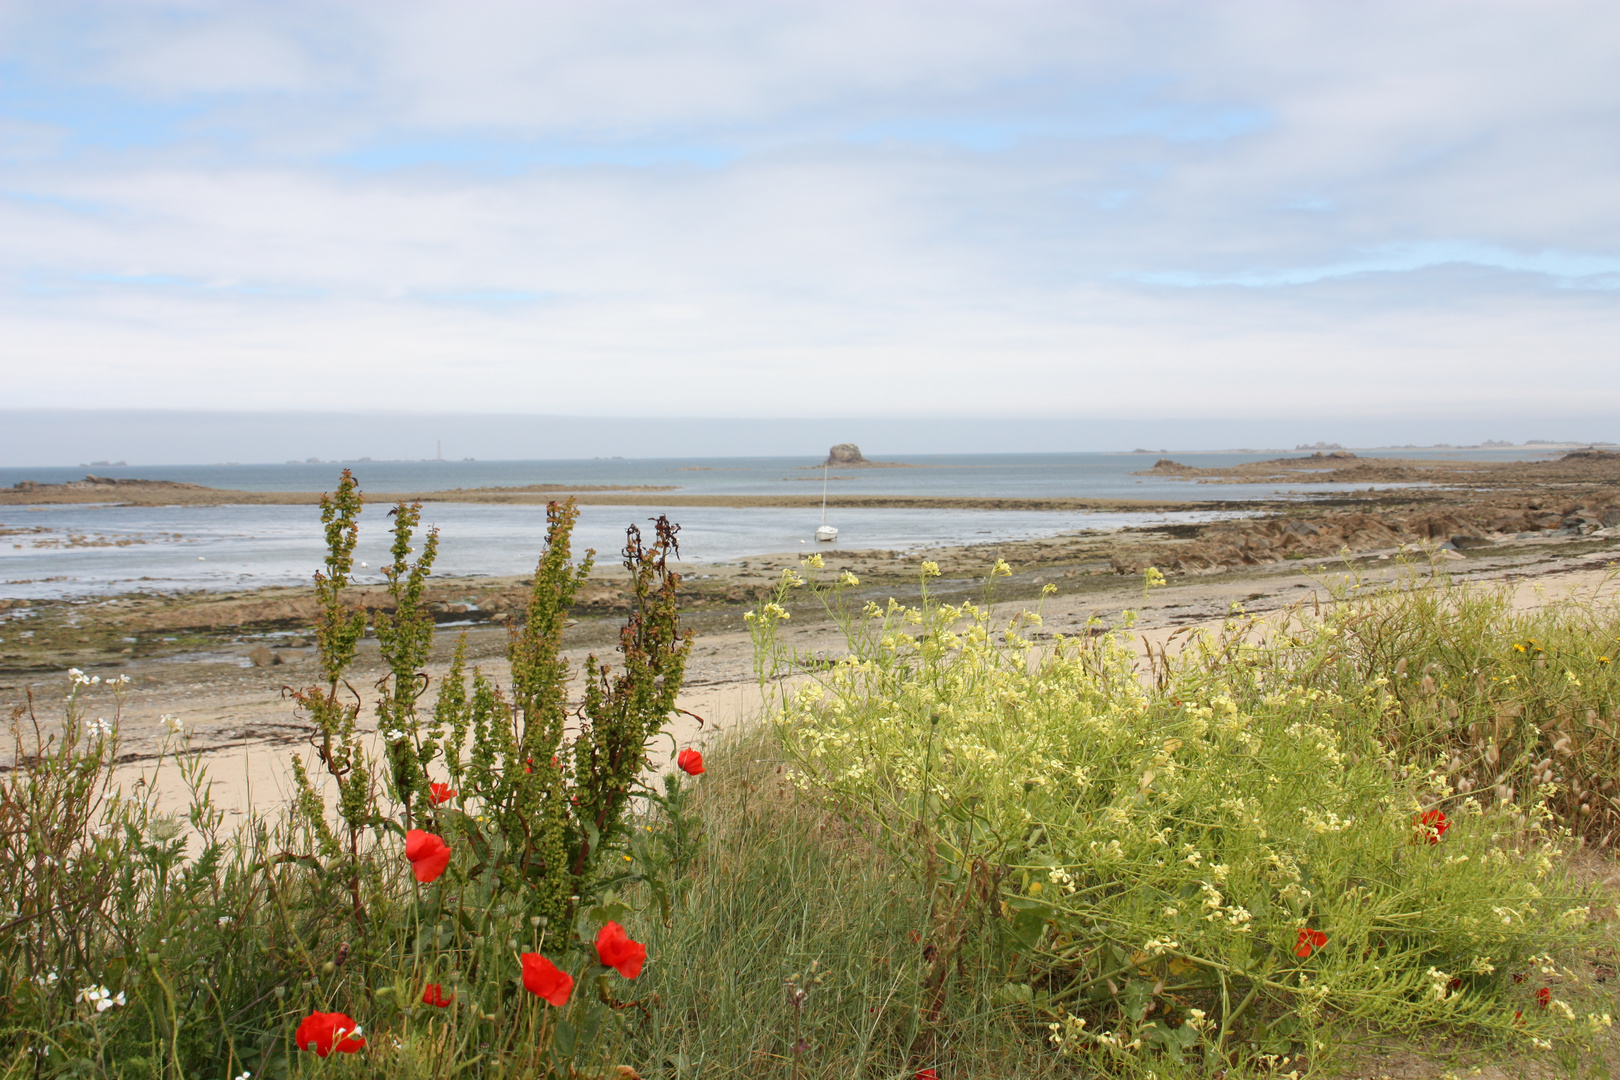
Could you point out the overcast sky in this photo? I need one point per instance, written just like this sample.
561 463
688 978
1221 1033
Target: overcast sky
757 209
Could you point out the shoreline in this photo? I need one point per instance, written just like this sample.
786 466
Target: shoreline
146 495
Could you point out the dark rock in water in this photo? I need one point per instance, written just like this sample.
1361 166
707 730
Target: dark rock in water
1166 467
845 453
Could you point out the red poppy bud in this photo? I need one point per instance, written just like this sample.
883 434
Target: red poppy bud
615 950
441 793
690 762
1309 940
434 995
543 979
1544 996
428 855
323 1032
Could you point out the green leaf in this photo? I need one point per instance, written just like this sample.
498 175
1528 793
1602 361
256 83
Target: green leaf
1027 926
1136 999
1014 994
563 1040
612 911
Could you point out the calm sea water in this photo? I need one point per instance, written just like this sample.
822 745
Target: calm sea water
83 550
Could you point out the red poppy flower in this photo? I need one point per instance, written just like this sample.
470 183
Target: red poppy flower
615 950
441 793
1309 940
1434 825
434 995
324 1032
928 1074
690 761
542 979
1544 996
428 853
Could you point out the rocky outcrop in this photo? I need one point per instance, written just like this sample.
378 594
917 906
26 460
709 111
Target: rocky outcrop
1230 545
1165 467
845 453
93 481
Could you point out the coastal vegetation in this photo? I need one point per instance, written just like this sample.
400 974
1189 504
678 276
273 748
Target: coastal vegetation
955 846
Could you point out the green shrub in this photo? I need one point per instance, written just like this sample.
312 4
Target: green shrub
483 831
1240 858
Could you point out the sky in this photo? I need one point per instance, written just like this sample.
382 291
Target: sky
764 210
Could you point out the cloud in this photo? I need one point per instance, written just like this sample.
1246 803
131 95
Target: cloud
759 209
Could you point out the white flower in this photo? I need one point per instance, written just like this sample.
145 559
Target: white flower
100 726
172 723
101 997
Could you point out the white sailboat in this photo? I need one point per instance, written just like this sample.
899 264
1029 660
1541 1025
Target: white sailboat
826 533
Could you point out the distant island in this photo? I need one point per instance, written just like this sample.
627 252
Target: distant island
846 455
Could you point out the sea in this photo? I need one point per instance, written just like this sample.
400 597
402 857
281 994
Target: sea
90 550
